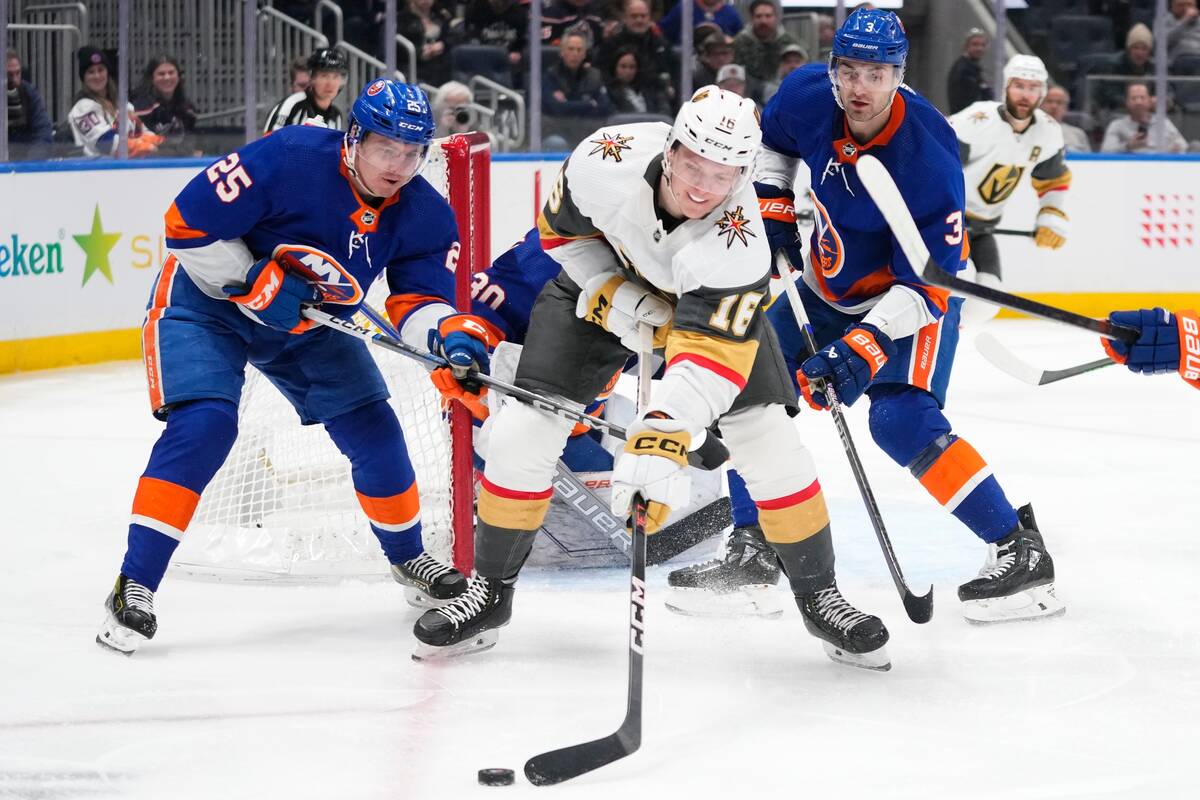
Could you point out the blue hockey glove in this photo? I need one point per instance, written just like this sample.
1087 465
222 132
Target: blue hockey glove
778 209
275 296
1168 342
850 363
465 341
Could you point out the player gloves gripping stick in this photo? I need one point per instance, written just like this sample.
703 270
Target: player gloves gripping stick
657 224
249 240
1168 343
466 342
850 363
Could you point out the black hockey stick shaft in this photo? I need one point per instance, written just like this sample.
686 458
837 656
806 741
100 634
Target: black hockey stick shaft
565 763
1013 232
1055 375
918 607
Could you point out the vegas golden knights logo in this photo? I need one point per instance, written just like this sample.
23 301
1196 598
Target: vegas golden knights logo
999 183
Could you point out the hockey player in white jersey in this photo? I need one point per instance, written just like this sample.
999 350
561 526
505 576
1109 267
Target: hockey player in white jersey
998 144
657 224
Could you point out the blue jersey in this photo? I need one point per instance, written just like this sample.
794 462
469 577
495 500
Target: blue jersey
854 257
503 294
293 188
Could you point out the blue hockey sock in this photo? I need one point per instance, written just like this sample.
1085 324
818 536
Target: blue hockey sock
189 452
383 476
745 513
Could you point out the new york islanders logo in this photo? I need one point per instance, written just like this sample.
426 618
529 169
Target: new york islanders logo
829 253
336 283
375 88
610 146
734 225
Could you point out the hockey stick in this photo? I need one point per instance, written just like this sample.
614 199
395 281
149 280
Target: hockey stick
883 191
1013 232
919 608
1007 361
563 764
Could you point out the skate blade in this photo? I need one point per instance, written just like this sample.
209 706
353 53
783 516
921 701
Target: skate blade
755 600
1040 602
418 599
116 637
876 660
485 640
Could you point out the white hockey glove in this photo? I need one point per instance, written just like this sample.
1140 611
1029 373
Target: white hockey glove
618 305
654 462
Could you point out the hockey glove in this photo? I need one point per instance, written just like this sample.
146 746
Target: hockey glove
1051 228
618 305
654 463
1168 342
465 341
275 297
850 364
778 208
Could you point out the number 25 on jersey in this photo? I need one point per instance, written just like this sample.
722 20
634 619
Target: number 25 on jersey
229 177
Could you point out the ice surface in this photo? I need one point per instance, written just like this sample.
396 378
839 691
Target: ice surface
263 691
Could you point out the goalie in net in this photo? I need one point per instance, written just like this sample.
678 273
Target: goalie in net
306 215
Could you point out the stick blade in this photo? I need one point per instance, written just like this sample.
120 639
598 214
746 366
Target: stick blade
919 608
1006 361
565 763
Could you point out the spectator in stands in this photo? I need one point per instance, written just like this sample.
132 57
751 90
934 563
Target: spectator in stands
563 15
452 110
1135 60
790 57
715 12
93 118
1135 131
732 78
314 105
429 27
502 23
715 52
966 82
1183 34
637 31
161 102
28 122
298 76
826 27
572 88
627 91
758 47
1056 103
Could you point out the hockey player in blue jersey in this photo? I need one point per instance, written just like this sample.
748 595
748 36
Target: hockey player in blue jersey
881 330
307 215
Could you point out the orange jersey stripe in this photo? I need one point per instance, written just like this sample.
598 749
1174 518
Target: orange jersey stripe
177 228
953 470
165 502
151 357
924 355
396 509
399 306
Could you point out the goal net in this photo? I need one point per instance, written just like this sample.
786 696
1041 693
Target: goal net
283 505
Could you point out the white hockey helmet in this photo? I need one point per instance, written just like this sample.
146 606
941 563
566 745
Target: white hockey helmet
1027 68
719 125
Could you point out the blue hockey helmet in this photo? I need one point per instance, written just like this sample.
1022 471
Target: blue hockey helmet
392 109
871 34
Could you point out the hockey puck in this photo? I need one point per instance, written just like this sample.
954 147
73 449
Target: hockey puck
496 776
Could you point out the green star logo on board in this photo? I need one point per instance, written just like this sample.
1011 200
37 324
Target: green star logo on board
97 245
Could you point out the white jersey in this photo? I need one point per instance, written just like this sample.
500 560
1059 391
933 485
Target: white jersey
995 158
95 127
601 217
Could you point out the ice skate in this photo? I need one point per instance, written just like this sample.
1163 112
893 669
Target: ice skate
849 636
428 582
738 584
129 617
1017 580
467 624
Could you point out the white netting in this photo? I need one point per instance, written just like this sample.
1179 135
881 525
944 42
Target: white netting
283 505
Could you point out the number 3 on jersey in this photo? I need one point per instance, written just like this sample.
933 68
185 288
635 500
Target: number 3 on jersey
229 177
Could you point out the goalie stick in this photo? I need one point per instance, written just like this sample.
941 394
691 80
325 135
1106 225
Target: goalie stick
565 763
887 197
1007 361
918 607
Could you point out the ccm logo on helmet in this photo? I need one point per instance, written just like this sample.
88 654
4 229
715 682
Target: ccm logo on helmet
375 88
715 143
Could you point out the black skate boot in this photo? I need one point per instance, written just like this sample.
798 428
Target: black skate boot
129 617
429 583
1017 580
467 624
849 636
737 584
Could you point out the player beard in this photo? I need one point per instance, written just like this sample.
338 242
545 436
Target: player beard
1014 110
